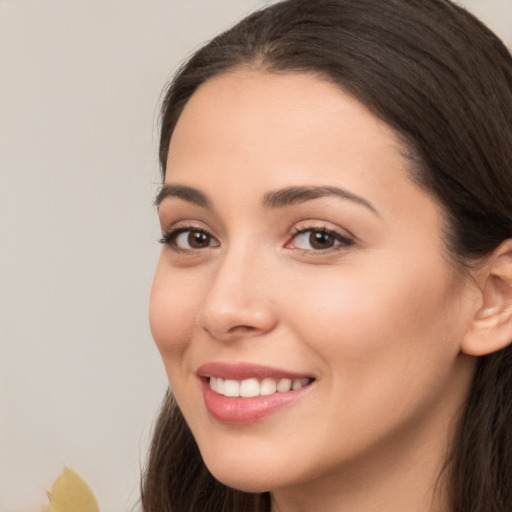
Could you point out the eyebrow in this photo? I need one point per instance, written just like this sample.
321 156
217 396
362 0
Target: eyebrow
189 194
281 198
290 196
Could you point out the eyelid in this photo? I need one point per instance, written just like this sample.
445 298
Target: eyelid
344 241
169 237
171 225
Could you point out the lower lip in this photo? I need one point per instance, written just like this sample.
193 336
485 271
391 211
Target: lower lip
242 411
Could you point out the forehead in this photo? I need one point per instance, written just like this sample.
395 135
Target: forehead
275 130
262 112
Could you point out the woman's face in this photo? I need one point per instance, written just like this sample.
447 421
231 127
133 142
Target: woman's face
299 253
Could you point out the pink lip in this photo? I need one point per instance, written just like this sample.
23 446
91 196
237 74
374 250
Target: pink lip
242 411
241 371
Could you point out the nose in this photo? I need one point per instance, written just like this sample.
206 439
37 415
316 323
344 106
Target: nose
238 303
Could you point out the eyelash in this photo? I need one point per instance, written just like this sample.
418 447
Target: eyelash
344 241
170 237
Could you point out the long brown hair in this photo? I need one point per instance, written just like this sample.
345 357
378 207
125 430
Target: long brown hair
443 81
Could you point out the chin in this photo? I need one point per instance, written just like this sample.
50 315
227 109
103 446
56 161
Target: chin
250 478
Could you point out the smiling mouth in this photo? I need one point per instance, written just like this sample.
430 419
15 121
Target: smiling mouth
250 388
244 393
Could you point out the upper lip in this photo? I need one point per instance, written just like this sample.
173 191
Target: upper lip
242 371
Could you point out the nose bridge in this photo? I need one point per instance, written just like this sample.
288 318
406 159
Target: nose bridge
237 302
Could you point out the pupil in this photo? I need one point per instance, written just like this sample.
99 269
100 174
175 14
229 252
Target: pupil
197 239
320 240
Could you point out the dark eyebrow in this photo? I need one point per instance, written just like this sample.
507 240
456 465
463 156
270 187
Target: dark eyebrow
192 195
295 195
281 198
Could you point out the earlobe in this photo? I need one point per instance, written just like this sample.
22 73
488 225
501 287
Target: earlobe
491 327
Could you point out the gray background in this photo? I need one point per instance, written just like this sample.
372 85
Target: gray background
80 380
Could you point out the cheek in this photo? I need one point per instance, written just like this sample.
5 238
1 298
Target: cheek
388 347
364 316
171 312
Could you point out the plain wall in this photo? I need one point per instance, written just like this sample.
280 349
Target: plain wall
80 379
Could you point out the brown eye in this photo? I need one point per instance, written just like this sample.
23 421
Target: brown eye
319 240
198 239
189 239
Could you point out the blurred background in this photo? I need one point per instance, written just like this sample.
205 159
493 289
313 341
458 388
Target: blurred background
80 85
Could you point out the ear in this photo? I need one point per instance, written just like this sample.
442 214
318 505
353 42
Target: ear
491 327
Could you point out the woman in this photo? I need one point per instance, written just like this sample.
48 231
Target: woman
333 302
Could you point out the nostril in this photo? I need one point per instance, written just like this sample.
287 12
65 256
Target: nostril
234 333
241 329
235 315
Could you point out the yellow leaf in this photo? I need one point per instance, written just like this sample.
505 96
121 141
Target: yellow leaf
71 494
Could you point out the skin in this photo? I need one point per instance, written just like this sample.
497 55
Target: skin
378 322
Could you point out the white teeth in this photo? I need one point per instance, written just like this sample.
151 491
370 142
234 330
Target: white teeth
268 387
249 388
299 383
217 385
231 388
284 385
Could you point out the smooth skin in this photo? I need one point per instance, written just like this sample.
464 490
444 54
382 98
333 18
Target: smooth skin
356 291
